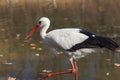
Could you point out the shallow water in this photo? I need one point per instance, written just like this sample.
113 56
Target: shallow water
28 59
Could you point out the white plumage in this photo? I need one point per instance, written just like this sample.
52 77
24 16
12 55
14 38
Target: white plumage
64 39
73 42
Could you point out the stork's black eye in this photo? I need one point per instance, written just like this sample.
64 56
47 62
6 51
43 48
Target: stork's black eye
39 22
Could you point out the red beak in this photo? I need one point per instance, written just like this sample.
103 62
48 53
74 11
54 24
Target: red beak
35 29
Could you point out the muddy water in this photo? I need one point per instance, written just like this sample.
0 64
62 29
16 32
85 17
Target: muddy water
29 60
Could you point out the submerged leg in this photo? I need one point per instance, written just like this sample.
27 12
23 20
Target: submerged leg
74 70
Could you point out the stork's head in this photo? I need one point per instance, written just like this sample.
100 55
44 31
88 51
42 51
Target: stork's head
44 21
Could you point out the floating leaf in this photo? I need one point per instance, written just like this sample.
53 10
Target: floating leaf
8 63
37 54
117 64
26 41
107 73
33 44
2 29
11 78
39 49
18 36
65 18
33 47
1 55
108 59
118 50
22 44
47 71
6 40
40 42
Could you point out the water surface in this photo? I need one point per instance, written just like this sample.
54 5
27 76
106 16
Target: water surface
26 59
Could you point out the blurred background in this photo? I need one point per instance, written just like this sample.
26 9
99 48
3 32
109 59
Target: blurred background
28 60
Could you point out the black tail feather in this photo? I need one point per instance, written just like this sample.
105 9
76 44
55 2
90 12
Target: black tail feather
107 43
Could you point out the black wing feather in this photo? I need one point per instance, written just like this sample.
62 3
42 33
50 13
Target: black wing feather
95 41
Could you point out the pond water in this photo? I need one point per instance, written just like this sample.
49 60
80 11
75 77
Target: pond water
28 59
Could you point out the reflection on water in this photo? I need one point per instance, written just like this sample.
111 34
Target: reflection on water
26 59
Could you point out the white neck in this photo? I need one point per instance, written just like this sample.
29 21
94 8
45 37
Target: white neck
44 30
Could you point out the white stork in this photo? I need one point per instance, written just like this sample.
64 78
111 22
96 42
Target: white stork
73 42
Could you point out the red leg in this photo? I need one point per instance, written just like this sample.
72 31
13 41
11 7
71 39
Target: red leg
54 74
74 70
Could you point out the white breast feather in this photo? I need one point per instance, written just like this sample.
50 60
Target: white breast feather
66 38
